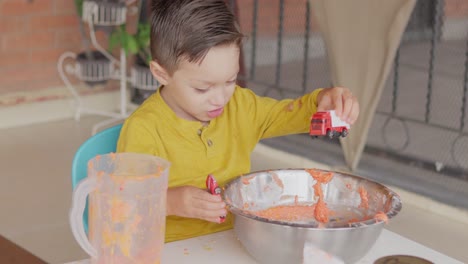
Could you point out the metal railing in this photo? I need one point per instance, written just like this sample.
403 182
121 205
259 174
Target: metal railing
424 51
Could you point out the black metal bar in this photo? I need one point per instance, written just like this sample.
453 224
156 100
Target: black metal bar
435 35
396 77
306 48
254 40
465 91
280 43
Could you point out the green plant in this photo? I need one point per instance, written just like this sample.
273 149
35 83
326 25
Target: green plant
79 7
136 44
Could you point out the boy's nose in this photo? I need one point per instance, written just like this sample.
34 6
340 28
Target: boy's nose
218 98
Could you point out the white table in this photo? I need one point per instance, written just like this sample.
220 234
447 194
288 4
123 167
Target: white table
224 248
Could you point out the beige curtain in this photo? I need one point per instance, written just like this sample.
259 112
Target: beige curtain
361 38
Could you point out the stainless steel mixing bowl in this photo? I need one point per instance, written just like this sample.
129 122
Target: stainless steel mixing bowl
271 241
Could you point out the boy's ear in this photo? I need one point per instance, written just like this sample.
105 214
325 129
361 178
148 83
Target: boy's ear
159 72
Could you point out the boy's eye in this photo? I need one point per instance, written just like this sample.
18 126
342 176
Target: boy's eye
198 90
233 80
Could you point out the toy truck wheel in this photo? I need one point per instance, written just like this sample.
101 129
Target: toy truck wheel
344 133
330 134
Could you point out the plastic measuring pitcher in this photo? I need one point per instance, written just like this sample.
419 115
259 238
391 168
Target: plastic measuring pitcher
127 208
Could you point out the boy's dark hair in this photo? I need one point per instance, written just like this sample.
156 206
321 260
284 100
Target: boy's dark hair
188 29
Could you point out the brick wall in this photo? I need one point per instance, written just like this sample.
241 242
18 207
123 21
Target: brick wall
33 34
456 8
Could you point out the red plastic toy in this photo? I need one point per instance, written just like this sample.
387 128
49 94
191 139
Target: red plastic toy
328 124
214 189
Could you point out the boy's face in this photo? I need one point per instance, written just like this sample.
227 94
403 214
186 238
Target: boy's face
199 92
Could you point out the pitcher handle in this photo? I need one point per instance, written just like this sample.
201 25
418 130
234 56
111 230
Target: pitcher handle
76 214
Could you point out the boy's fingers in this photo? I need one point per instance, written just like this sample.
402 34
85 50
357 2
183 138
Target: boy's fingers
212 206
320 106
212 216
213 219
208 197
203 194
207 201
325 103
354 113
338 102
348 102
347 106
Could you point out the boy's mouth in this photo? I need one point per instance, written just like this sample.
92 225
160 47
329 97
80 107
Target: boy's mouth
216 112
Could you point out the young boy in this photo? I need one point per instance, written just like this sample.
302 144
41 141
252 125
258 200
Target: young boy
200 120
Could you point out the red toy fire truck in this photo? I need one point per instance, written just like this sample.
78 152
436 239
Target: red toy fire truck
328 124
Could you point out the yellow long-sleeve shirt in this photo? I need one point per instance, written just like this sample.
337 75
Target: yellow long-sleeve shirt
222 148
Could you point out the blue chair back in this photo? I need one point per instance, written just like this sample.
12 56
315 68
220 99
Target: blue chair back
101 143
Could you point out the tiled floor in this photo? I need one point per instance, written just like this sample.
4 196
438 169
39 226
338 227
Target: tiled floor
35 194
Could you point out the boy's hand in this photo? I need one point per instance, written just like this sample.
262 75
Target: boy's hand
341 100
192 202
